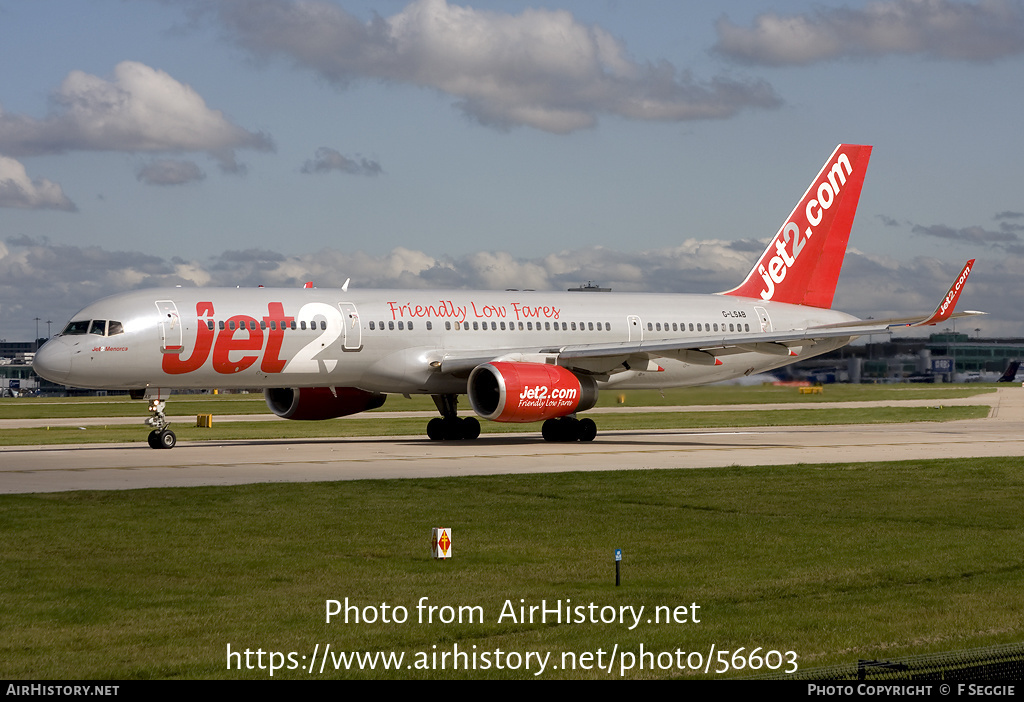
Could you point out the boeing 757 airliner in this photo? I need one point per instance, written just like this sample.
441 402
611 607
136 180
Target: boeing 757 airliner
520 356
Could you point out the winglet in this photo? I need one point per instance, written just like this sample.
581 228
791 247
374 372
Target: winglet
945 309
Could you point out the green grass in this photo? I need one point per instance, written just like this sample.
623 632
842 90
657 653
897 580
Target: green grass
363 425
835 562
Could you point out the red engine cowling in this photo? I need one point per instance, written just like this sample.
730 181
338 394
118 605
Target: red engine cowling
528 392
320 403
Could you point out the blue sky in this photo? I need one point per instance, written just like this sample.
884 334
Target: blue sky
643 145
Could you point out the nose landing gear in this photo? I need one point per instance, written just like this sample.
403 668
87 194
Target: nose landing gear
161 437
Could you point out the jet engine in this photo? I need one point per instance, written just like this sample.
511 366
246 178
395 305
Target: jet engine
320 403
528 392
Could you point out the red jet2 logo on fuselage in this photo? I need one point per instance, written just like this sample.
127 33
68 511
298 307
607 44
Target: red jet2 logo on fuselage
225 341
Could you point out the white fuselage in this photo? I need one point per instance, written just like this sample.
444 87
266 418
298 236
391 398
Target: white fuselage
398 341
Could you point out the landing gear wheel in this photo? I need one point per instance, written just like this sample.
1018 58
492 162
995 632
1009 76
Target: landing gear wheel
435 429
154 439
167 439
569 429
470 428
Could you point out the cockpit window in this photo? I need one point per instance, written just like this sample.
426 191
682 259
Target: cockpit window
99 327
78 327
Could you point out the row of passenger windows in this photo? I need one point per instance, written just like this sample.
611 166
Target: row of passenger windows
230 325
102 327
99 327
500 326
681 326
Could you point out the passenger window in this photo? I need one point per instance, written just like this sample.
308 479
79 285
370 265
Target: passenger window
371 325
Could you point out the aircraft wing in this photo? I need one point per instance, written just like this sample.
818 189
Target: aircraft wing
603 359
637 355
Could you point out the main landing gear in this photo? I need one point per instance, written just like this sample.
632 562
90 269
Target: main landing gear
161 437
569 429
449 426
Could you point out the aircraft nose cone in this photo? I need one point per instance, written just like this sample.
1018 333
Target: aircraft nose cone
53 362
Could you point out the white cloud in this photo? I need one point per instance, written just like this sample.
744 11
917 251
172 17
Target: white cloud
943 29
169 172
327 160
140 109
540 68
53 281
18 190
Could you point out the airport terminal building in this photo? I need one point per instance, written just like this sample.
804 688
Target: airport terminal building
942 357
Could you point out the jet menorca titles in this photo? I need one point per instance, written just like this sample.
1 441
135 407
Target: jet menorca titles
519 356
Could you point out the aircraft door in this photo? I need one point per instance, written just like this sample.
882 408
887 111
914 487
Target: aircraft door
766 321
353 329
636 331
170 327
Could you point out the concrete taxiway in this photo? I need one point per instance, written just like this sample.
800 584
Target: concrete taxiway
26 469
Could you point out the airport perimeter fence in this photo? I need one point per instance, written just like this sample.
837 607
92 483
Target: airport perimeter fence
1005 662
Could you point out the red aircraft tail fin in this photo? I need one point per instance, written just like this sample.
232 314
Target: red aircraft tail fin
801 264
